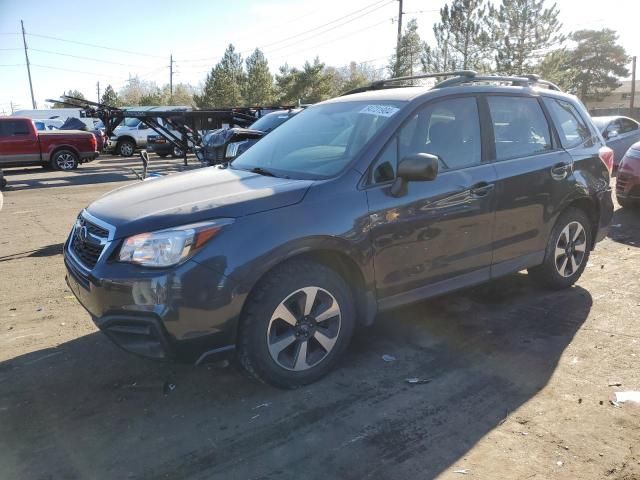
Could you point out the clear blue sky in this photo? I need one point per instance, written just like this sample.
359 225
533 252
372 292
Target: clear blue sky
197 35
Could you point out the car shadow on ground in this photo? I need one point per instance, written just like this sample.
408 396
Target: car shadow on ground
625 226
105 171
87 410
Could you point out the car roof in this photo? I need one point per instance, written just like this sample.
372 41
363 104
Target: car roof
408 94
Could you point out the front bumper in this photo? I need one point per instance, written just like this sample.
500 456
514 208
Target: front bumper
188 313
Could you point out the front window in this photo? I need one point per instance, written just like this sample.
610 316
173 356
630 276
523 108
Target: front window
319 142
270 122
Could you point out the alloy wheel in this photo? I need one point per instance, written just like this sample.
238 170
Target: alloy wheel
65 161
126 149
570 249
304 328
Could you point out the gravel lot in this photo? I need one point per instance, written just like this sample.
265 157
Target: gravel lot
520 378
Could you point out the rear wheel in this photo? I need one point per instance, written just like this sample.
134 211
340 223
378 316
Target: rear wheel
126 148
64 160
567 251
176 152
296 325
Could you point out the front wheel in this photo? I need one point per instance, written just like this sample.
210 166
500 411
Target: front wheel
65 160
296 325
176 153
567 251
126 148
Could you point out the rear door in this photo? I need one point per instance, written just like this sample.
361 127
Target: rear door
534 175
437 235
18 143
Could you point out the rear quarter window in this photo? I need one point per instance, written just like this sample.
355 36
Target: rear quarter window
572 128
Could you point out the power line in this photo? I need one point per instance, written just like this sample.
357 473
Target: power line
93 45
73 71
13 64
83 58
343 19
332 40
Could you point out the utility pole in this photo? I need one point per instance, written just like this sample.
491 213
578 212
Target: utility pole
399 37
98 85
26 56
633 87
171 78
12 109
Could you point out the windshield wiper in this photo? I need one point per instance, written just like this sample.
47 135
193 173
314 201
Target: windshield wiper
262 171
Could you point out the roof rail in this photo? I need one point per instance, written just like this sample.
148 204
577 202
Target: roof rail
382 84
517 81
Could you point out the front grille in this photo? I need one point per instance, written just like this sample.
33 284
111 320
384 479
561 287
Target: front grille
88 241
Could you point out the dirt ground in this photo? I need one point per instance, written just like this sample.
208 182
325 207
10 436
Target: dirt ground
520 378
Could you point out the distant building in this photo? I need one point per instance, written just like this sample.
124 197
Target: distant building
618 98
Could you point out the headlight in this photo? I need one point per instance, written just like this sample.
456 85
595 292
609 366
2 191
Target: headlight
232 149
169 247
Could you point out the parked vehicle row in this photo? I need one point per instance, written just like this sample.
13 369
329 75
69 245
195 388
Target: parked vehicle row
361 203
619 133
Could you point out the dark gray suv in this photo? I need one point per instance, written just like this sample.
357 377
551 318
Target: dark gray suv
359 204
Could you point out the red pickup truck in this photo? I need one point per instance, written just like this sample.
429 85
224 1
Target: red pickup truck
22 145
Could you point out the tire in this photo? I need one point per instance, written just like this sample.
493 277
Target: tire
176 153
562 269
126 148
64 160
626 203
274 331
163 155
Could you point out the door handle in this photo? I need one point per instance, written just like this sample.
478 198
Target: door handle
481 189
560 171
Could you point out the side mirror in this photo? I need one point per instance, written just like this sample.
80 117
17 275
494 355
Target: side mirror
419 167
142 126
612 134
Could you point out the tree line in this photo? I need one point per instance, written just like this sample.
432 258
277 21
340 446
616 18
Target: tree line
512 37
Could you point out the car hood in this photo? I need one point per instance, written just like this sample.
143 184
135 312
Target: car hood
195 196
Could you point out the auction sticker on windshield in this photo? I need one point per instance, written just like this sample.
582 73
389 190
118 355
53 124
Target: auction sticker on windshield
380 110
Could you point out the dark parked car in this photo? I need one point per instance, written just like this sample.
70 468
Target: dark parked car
225 144
619 133
357 205
628 179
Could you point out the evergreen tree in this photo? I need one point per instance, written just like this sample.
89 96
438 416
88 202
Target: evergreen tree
259 85
462 38
407 59
110 97
71 93
598 61
225 83
521 30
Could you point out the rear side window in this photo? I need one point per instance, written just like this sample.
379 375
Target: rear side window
572 128
627 125
12 128
519 126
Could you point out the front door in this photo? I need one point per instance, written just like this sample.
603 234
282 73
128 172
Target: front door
18 145
437 232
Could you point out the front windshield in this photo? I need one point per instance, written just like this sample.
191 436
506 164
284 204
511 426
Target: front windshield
270 122
320 141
